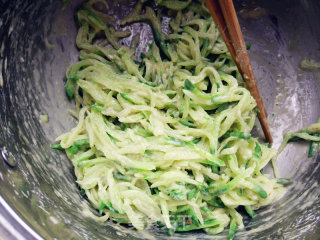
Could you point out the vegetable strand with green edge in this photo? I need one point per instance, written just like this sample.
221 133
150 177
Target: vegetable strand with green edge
250 211
232 229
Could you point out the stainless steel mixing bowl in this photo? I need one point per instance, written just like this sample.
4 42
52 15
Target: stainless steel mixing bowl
38 194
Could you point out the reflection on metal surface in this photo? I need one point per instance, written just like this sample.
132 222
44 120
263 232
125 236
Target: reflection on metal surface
14 232
41 189
8 158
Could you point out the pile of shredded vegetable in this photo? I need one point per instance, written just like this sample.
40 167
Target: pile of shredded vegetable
164 137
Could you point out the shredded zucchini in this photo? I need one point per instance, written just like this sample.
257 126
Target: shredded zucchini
165 138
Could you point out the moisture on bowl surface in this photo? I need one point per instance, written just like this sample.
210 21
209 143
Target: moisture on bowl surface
38 43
